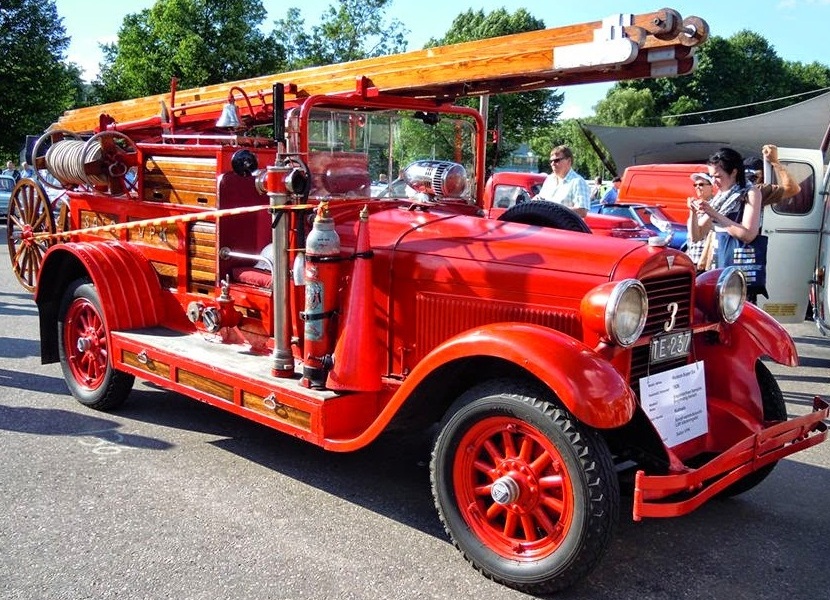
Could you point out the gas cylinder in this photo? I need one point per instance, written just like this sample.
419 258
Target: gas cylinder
322 277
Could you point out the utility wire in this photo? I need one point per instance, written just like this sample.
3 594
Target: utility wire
714 110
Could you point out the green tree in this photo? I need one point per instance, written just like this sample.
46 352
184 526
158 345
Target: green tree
348 30
521 113
201 42
570 133
38 84
628 107
735 77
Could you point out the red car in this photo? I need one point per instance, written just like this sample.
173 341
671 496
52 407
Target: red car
507 189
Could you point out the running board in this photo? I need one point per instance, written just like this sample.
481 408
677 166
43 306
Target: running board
233 378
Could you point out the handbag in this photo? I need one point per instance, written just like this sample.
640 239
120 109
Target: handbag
750 258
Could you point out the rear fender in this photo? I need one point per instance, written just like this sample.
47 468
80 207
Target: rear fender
589 386
126 282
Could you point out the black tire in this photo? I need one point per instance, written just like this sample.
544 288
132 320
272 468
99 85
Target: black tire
547 549
545 214
83 347
775 410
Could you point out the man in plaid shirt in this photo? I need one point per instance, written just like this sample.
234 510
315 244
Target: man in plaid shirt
564 185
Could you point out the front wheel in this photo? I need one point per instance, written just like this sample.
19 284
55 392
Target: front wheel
83 346
775 411
526 492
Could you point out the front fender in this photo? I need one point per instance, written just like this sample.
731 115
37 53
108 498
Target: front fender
769 336
731 356
589 386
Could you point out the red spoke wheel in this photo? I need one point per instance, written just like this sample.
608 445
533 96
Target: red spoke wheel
85 352
28 227
775 411
526 492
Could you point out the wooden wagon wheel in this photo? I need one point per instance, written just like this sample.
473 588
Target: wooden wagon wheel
30 216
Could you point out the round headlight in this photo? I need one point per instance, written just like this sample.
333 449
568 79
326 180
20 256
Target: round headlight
626 311
731 293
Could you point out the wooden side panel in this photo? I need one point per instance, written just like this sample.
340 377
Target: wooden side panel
201 255
180 180
282 412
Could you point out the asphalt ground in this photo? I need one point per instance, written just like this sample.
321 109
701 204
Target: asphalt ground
171 498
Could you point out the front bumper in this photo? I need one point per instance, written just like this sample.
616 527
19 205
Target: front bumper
653 493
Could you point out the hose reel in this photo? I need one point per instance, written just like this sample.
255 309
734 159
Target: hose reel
107 161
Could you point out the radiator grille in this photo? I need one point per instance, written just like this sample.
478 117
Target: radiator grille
661 293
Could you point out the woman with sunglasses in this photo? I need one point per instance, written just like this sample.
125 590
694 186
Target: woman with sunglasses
734 212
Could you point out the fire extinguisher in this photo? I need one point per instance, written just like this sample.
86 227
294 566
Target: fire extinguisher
322 276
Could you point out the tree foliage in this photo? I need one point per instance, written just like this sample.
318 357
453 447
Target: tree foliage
570 133
348 30
522 113
201 42
735 77
38 83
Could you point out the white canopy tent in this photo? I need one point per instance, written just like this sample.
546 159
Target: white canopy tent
801 125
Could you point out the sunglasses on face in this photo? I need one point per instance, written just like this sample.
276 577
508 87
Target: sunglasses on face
556 161
700 185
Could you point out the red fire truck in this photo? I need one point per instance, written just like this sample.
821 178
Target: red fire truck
222 242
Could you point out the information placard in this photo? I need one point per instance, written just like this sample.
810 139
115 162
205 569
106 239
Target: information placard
675 401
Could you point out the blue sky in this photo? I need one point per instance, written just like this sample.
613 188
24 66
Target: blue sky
797 29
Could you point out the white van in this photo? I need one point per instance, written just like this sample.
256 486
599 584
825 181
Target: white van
820 288
793 226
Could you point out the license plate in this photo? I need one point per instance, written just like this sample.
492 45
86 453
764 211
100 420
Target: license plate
670 345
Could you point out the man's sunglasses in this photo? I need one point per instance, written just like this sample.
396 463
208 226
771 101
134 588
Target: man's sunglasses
702 184
555 161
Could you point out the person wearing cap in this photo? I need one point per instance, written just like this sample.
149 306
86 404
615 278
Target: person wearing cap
700 247
771 193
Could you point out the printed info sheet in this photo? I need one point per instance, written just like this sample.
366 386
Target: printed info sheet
675 401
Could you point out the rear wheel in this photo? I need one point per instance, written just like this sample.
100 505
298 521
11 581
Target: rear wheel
526 492
29 227
775 411
83 346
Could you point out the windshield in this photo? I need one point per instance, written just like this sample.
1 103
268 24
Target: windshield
359 153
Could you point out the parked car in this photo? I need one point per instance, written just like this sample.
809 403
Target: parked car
6 186
506 189
650 217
